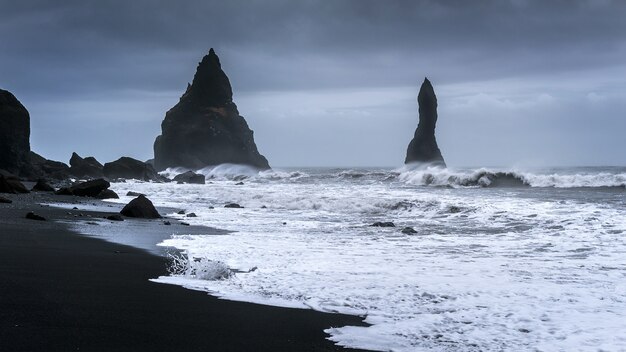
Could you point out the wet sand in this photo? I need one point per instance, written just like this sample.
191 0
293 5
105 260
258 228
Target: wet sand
62 291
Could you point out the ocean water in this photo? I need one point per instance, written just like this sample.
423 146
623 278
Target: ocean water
500 259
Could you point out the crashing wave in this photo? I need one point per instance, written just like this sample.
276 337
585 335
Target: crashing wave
442 177
236 172
198 268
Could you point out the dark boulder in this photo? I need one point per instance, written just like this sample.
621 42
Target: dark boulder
134 194
409 231
192 215
33 216
126 167
10 183
14 134
115 217
42 186
383 224
107 194
233 205
5 200
205 127
90 188
85 167
423 147
140 207
190 177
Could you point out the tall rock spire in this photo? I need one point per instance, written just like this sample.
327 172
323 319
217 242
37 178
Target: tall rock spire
210 84
205 128
423 147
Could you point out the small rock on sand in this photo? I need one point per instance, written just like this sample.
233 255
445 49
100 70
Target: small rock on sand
115 217
33 216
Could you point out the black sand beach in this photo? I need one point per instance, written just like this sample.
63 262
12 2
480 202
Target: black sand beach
61 291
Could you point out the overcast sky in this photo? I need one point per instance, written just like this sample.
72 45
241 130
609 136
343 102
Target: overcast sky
329 83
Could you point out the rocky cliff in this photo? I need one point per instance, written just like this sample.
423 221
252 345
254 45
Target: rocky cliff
205 127
423 147
14 134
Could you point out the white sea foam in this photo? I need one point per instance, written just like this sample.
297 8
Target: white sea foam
488 269
436 176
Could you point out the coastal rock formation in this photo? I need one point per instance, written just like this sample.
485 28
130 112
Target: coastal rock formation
140 207
85 167
14 134
15 154
205 127
423 147
126 167
42 167
190 177
90 188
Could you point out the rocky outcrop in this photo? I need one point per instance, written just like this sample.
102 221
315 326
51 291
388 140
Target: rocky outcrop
140 207
129 168
42 167
190 177
15 154
85 167
205 127
90 188
423 147
14 134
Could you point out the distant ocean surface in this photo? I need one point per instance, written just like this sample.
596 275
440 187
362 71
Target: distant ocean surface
501 259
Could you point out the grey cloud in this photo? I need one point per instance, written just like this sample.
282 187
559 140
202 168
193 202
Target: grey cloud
96 63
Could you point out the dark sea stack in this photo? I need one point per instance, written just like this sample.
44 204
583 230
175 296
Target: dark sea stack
130 168
423 147
140 207
85 167
205 127
14 134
